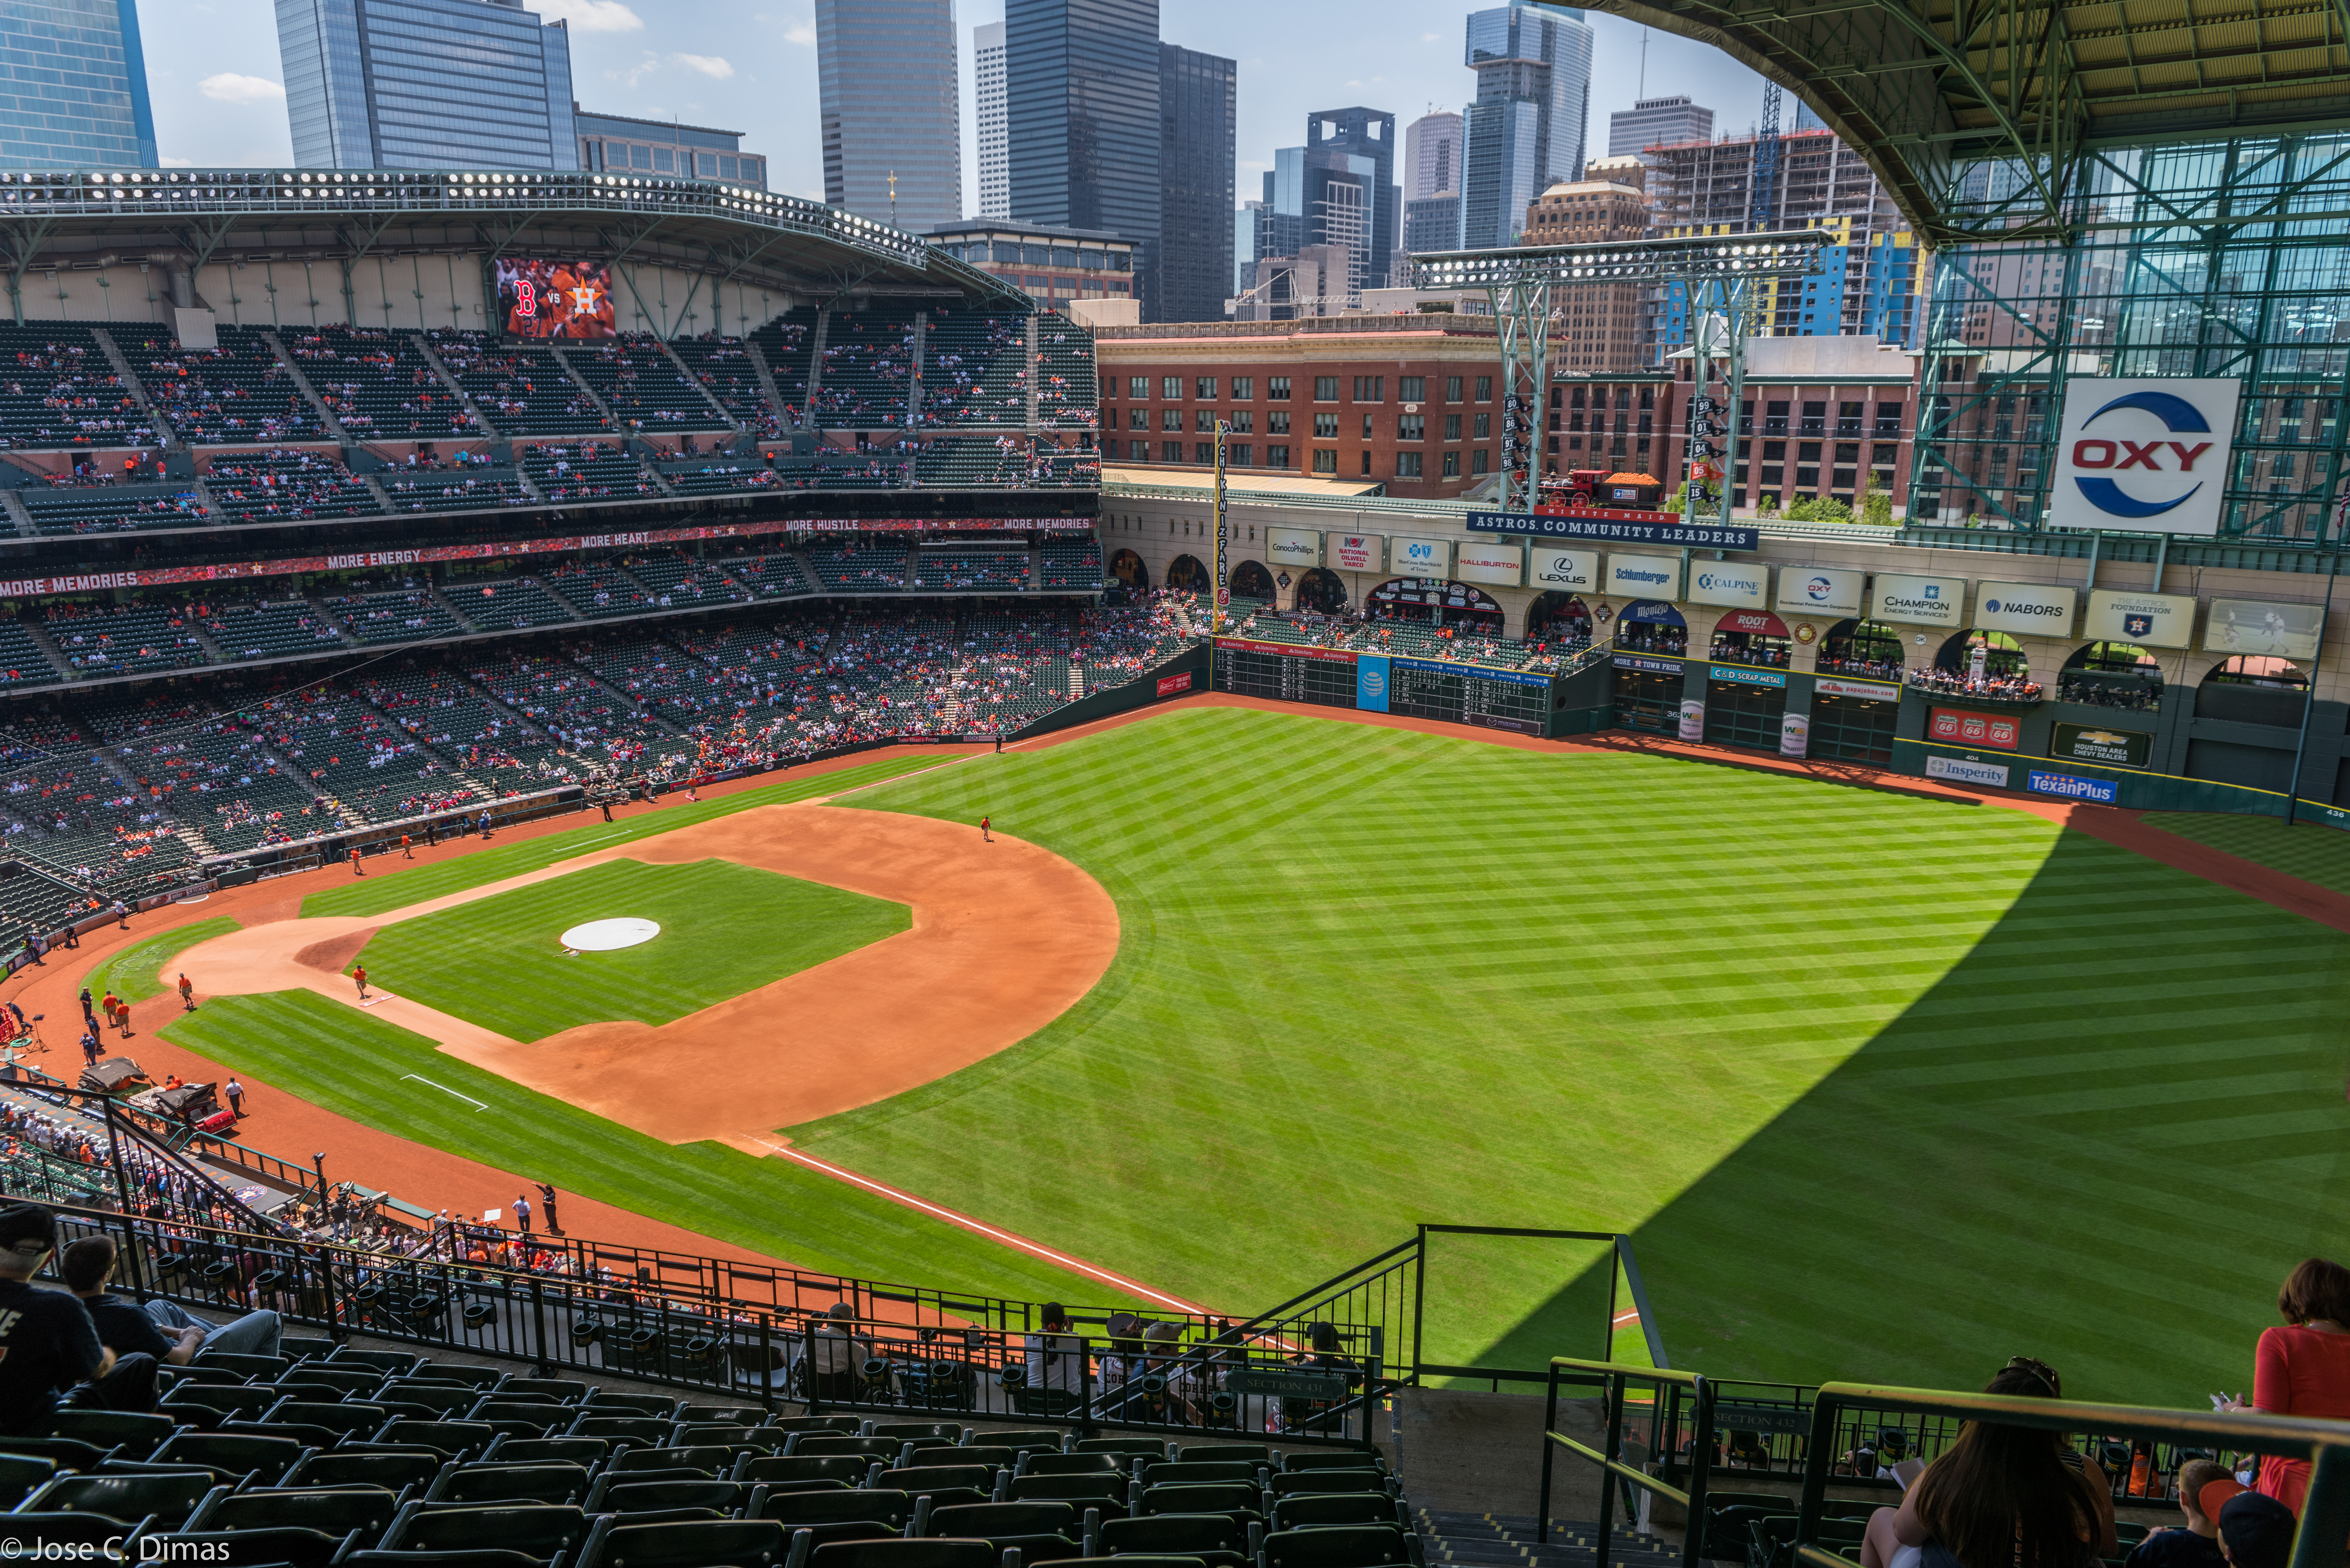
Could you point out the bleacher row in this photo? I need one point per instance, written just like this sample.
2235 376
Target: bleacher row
386 1458
132 789
955 366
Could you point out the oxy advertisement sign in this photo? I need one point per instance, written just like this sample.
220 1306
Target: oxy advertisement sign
2100 791
2025 609
2254 627
2145 455
1644 576
1965 727
1820 590
2150 620
1548 566
1965 772
1863 691
1918 601
1296 549
1355 551
2101 743
1729 583
1490 562
1371 679
1420 557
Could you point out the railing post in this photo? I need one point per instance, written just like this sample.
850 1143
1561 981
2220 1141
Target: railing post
1085 1427
1418 1303
1819 1454
1611 1389
815 1405
122 1196
2325 1511
1693 1531
538 1323
1550 1425
766 1363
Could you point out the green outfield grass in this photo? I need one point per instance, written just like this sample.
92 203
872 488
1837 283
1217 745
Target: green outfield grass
1882 1087
725 929
2306 850
359 1067
132 973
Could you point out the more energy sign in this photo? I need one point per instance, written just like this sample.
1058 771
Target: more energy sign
2144 455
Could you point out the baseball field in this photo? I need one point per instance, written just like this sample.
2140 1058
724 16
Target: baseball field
1881 1086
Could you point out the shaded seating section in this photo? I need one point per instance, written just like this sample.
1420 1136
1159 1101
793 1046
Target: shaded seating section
868 357
1064 374
22 662
679 581
787 343
471 489
578 711
123 640
506 603
975 368
262 628
238 394
211 770
643 386
723 367
858 565
492 746
378 383
1069 563
57 389
112 508
76 815
769 577
522 388
586 471
1015 669
357 757
255 487
402 615
970 568
596 588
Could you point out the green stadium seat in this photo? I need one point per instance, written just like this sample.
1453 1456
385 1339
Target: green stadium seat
820 1444
1210 1453
367 1467
1237 1500
562 1390
25 1531
1198 1471
843 1426
616 1493
209 1404
1331 1459
345 1420
260 1366
169 1497
704 1544
133 1435
451 1399
335 1509
794 1509
1006 1523
485 1483
1339 1546
1109 1494
988 1454
1328 1480
537 1530
640 1429
1134 1452
1313 1509
1043 1439
448 1438
287 1544
1035 1464
781 1470
726 1414
230 1455
921 1433
689 1433
1216 1539
933 1553
931 1480
391 1363
603 1402
589 1452
709 1459
20 1474
350 1380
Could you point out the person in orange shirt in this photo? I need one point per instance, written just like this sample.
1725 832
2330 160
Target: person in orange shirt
358 974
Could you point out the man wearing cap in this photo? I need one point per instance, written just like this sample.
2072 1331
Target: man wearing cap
2256 1530
47 1344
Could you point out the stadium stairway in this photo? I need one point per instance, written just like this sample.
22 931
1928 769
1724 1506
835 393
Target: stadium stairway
449 606
169 438
766 381
1502 1541
693 379
38 631
488 426
18 519
319 404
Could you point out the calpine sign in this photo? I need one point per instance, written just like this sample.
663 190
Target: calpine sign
2148 456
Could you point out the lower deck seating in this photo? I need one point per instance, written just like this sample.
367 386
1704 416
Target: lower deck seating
506 603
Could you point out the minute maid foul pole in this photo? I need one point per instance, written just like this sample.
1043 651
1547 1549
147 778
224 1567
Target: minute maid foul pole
1217 593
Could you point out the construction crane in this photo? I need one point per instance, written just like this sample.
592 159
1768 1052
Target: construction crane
1766 160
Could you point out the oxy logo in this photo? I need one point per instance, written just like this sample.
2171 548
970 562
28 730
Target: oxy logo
2122 454
1819 590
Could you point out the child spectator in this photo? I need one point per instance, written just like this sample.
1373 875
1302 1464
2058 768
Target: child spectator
2256 1530
2198 1544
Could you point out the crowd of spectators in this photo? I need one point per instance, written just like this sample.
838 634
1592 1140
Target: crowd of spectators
56 388
1990 686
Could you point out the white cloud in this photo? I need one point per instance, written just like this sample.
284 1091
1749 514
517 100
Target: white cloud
178 162
801 32
593 15
635 73
713 66
229 87
1429 38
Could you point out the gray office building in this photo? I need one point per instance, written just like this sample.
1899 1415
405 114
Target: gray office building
426 84
995 135
1081 88
1431 223
1197 139
1657 123
889 110
1431 155
622 143
73 87
1525 130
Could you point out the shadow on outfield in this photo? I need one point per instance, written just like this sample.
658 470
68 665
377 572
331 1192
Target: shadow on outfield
2101 1138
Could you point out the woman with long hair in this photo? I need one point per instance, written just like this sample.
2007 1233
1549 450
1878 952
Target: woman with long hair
2000 1497
2304 1368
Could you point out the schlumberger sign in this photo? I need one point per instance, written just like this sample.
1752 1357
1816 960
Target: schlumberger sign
2144 455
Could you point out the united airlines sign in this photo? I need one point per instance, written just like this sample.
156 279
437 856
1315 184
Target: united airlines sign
2144 455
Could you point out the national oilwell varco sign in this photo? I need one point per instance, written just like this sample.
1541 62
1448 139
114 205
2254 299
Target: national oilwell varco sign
2147 456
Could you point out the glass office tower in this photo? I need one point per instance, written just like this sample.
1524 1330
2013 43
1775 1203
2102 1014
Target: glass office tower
73 87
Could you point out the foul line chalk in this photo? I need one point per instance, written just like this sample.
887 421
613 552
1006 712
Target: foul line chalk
1034 1249
445 1089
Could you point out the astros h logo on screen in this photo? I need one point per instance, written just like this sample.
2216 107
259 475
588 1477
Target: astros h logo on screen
2121 454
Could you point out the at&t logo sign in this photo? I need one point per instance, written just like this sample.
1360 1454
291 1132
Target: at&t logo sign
2148 455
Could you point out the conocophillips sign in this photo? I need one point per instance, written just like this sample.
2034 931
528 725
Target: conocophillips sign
1293 549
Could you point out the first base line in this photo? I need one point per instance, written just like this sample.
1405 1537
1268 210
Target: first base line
445 1089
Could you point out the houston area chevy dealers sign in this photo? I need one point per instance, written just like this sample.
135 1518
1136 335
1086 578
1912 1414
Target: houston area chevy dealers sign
2150 456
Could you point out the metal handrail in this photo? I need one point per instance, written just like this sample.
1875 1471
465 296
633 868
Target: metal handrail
1614 1376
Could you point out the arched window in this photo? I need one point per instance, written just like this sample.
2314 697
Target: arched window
2111 675
1862 647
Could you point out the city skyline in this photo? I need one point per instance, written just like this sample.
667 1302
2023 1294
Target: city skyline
747 65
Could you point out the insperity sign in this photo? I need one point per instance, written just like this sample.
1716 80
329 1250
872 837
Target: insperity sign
2144 455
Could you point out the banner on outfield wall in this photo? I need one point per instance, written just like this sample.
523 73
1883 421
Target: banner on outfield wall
1371 677
1294 549
2025 609
1548 566
1819 590
1920 601
2102 744
2263 629
1967 771
1731 584
1285 650
1861 691
2150 620
1171 684
1490 562
1966 727
1355 551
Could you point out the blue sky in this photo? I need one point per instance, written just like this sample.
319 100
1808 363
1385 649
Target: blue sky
750 65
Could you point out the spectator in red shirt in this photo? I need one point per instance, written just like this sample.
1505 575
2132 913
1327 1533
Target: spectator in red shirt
2304 1368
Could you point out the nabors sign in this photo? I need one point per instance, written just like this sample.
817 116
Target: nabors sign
2145 455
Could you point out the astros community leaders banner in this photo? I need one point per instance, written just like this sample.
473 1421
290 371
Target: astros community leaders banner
1821 590
2151 620
2148 455
1622 528
1920 601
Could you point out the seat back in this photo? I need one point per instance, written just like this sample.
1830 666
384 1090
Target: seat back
510 1484
588 1452
399 1362
449 1398
1204 1453
988 1454
1222 1496
710 1460
1328 1480
777 1470
995 1521
343 1466
690 1543
734 1433
846 1426
928 1553
1043 1439
351 1380
644 1429
923 1432
536 1529
795 1508
336 1511
1332 1460
19 1474
229 1454
1096 1489
920 1479
617 1494
1199 1471
562 1390
266 1367
1180 1533
1334 1546
137 1436
1319 1507
168 1495
823 1443
344 1418
1035 1464
448 1438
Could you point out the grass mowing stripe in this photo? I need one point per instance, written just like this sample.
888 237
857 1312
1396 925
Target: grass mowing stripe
2306 850
382 891
355 1064
725 929
132 974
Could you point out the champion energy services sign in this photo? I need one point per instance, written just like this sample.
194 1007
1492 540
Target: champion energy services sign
2144 455
1907 600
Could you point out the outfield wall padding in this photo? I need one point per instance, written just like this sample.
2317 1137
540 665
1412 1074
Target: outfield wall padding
1180 677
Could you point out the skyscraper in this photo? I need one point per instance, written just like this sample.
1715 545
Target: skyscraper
1525 130
1431 155
426 84
1081 85
73 91
889 110
1657 123
1338 191
1196 144
994 149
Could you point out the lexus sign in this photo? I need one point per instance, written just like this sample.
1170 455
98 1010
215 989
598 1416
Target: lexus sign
2148 456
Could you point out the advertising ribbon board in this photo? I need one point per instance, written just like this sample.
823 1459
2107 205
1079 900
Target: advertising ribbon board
1920 601
1644 661
1357 551
1295 549
2254 627
2028 609
1820 590
1287 650
1371 676
2150 620
1474 671
1730 583
1965 727
1740 675
1618 527
2101 743
1965 772
1548 566
1864 690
